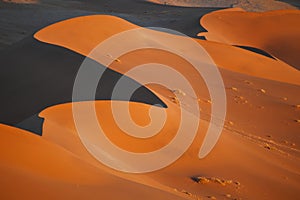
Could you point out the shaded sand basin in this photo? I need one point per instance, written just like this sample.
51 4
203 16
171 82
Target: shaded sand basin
261 92
53 69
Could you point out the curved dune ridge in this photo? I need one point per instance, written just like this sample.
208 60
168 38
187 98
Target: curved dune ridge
95 30
76 174
276 32
259 145
38 168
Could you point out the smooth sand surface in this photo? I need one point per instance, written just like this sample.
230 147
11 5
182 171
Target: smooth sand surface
225 56
38 169
276 32
257 156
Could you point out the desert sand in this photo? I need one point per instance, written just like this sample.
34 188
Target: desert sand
276 39
256 157
249 5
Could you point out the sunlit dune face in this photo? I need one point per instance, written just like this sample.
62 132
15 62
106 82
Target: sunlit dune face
32 154
83 34
96 29
276 32
256 156
22 1
113 123
134 59
41 168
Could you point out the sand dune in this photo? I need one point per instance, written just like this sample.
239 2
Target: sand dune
242 96
37 169
256 157
224 55
58 119
280 39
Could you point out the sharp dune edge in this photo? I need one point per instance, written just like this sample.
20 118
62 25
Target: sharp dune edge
226 56
256 157
281 39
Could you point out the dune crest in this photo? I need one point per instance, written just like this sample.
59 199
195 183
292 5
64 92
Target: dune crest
255 157
276 32
90 35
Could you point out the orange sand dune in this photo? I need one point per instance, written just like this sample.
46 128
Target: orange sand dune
34 168
234 158
227 57
256 157
241 159
95 30
276 32
252 131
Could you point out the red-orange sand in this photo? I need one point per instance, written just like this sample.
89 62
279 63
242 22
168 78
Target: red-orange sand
94 31
276 32
257 156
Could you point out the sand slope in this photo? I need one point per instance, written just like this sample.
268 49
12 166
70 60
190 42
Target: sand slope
94 31
38 169
257 156
276 32
246 94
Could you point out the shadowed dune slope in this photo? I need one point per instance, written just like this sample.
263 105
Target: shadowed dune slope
43 75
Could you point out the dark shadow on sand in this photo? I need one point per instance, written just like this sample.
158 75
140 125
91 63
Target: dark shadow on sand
255 50
35 75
